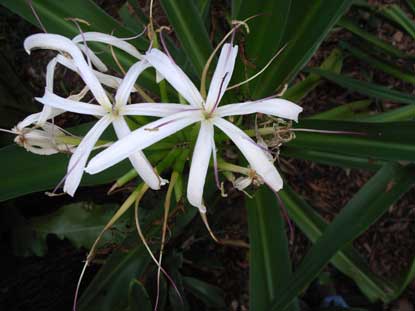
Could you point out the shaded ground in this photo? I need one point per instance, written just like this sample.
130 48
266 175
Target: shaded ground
46 283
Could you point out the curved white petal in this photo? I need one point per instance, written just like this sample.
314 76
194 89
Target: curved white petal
61 43
175 76
127 84
276 107
80 157
153 109
105 79
222 75
138 159
47 111
255 155
108 39
159 77
141 138
200 165
55 101
95 60
33 118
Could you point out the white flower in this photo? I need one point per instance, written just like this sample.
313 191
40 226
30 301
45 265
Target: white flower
107 112
65 59
209 115
43 140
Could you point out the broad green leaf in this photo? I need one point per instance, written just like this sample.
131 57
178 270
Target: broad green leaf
333 62
343 112
385 46
366 88
347 260
371 202
25 172
80 223
138 299
381 64
308 24
212 296
384 141
190 30
270 266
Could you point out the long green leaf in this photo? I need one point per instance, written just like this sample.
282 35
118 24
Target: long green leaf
190 29
270 266
371 202
308 24
343 112
384 141
333 62
381 64
366 88
109 289
385 46
347 260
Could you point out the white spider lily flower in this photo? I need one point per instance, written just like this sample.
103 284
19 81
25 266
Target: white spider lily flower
66 60
43 140
209 115
109 113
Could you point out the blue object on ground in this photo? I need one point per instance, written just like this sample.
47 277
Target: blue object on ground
334 301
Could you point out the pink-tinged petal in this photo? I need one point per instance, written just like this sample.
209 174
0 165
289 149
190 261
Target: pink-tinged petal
139 161
141 138
153 109
255 156
276 107
55 101
200 165
108 39
63 44
127 84
222 75
80 157
175 76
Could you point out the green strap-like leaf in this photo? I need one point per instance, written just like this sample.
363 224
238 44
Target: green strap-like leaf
371 202
346 260
366 88
308 24
270 266
190 29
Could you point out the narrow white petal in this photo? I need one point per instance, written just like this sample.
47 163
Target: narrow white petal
80 157
139 161
95 60
56 101
141 138
105 79
127 84
154 109
33 118
61 43
254 154
109 39
47 111
276 107
222 75
175 76
200 165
